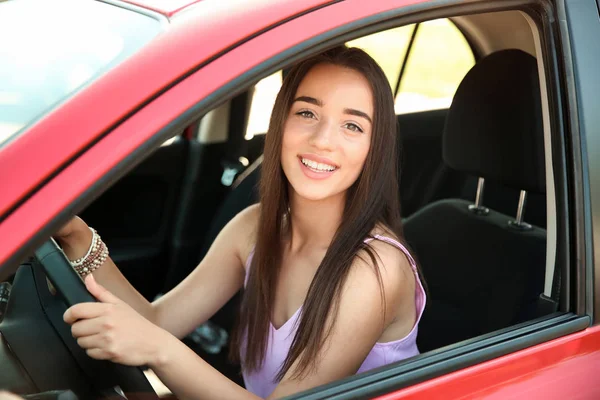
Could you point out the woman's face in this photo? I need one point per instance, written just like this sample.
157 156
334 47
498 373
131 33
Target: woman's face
327 134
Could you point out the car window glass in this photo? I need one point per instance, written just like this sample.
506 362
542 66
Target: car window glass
43 66
388 48
439 58
263 100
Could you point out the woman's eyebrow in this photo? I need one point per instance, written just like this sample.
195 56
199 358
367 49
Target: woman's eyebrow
349 111
311 100
357 113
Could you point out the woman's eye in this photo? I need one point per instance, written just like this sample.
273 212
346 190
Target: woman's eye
306 114
353 127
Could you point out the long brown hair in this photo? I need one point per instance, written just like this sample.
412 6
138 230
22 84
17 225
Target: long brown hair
371 200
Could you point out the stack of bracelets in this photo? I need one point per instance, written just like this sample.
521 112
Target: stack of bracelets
94 258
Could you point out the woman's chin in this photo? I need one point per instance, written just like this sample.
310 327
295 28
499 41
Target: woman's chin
312 196
314 193
313 189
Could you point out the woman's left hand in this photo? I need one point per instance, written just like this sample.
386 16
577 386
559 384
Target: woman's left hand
111 330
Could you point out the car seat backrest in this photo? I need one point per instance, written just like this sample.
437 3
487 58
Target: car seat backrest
483 270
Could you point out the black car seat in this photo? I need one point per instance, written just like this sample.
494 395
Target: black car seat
244 193
484 269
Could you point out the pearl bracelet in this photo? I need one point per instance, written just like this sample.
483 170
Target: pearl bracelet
79 261
96 255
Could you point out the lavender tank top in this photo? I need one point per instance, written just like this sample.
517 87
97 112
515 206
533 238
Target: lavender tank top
262 382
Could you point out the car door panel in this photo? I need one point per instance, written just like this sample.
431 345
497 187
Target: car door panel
559 369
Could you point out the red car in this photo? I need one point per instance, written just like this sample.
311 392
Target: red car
146 118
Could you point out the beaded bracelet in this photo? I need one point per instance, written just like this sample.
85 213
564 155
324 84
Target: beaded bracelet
96 255
79 261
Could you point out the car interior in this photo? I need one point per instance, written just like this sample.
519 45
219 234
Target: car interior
475 183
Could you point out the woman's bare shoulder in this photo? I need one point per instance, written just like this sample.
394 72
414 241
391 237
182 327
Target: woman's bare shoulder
249 215
392 264
382 272
391 252
244 227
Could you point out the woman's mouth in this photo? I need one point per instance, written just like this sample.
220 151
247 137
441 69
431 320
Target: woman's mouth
317 166
314 169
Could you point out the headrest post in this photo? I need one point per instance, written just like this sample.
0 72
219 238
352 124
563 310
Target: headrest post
479 196
518 222
521 207
478 207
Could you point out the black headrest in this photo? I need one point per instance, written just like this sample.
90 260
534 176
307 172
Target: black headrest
494 126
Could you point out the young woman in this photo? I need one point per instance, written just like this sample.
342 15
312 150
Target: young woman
330 290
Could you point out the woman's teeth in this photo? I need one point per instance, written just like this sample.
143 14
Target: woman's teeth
320 167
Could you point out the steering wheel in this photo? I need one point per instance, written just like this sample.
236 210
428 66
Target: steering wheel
71 288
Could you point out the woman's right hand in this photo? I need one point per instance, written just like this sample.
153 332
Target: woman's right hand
75 237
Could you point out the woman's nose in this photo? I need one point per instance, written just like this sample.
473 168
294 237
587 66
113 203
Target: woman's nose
324 136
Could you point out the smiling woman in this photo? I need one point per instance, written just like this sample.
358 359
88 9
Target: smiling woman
321 257
43 66
328 119
333 114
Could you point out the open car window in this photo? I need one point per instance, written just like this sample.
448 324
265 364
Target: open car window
63 46
424 64
440 57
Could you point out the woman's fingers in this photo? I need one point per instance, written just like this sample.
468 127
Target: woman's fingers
85 311
92 310
98 354
113 331
99 291
99 340
101 346
89 342
87 327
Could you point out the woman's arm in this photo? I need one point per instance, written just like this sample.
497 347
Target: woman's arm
188 376
214 281
360 323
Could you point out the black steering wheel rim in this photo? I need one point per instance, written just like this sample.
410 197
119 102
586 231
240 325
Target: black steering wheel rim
71 288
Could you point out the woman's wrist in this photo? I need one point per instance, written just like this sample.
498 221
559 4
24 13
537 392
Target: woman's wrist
77 243
161 349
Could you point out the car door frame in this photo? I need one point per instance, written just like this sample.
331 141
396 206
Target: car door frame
476 362
578 21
